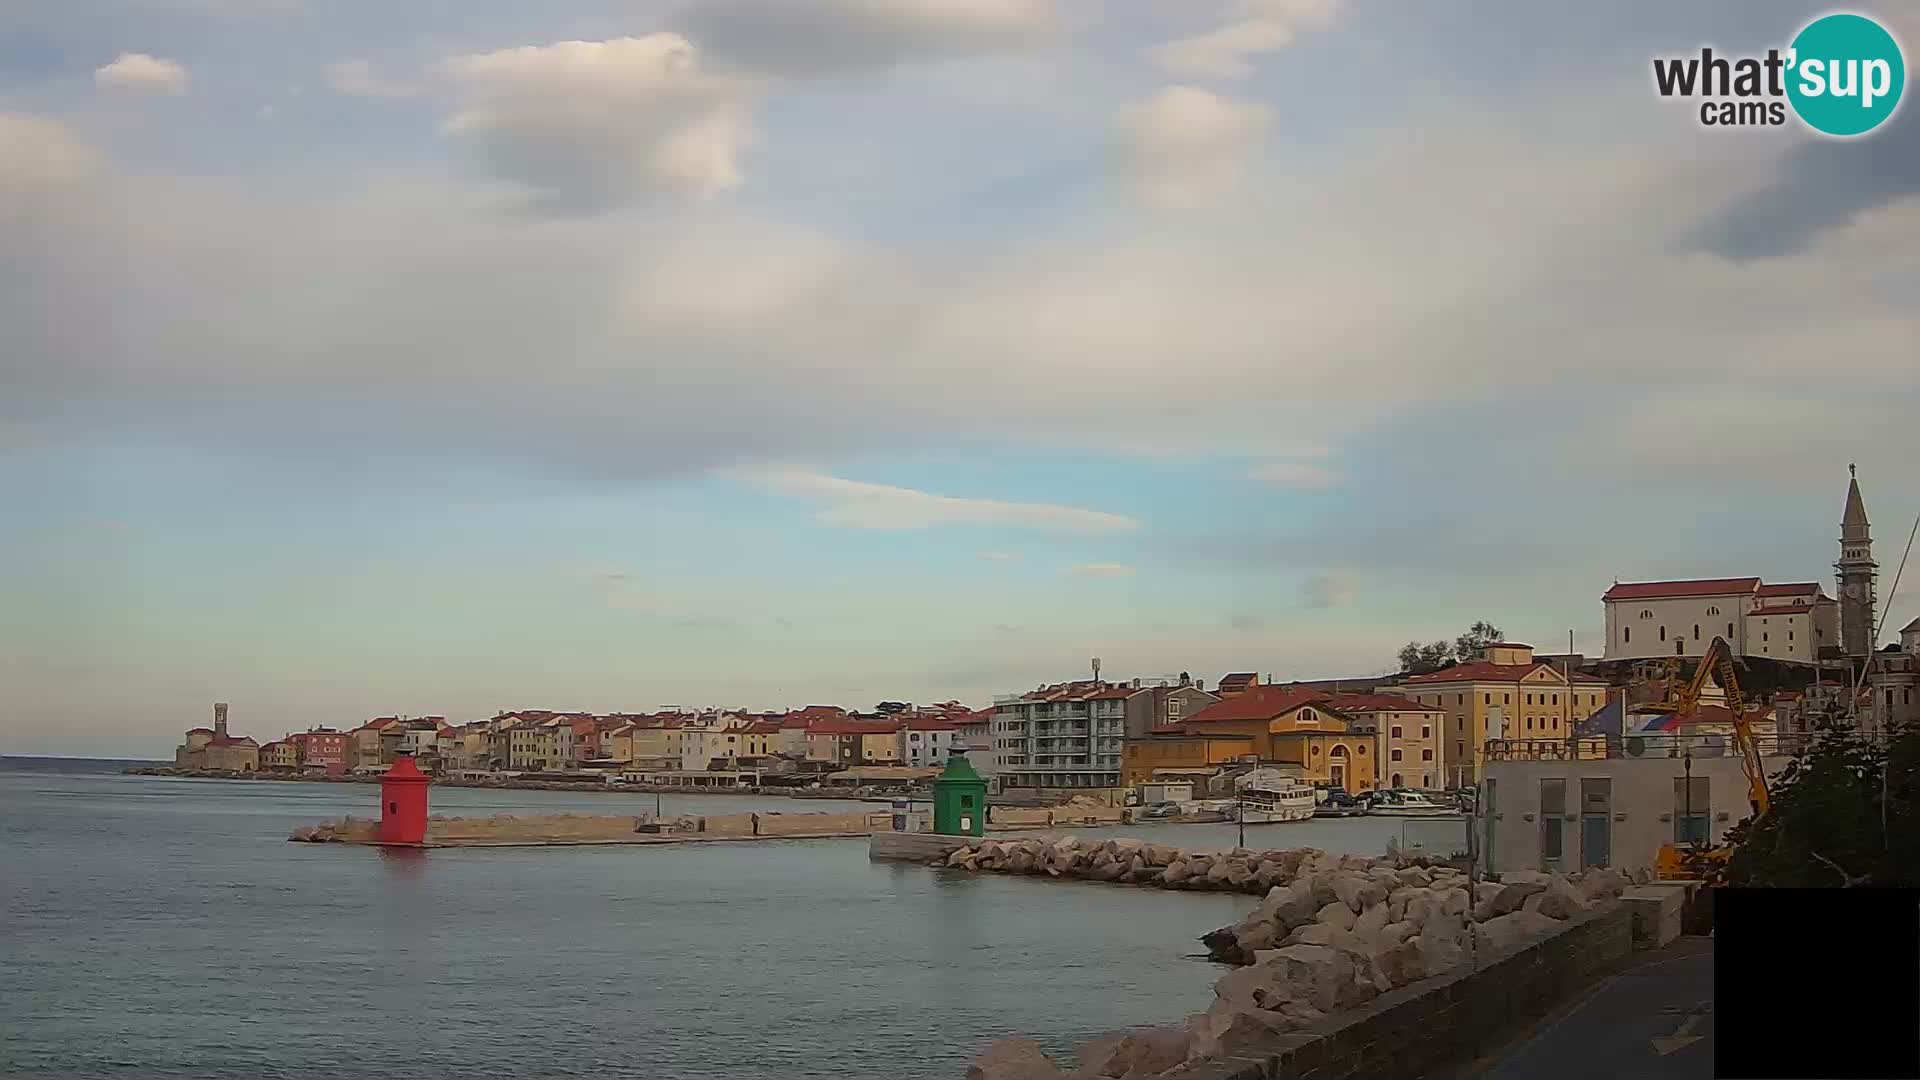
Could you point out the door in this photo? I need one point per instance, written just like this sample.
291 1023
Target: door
1339 776
1596 821
1553 814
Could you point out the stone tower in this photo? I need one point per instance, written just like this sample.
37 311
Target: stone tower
219 719
1856 573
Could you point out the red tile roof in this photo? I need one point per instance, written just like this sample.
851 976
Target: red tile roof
1487 671
1239 680
1258 703
763 727
930 723
854 727
1662 590
200 731
1362 703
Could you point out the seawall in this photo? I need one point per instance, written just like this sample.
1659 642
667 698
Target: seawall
1412 1031
506 830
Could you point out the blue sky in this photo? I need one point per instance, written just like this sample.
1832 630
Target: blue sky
367 358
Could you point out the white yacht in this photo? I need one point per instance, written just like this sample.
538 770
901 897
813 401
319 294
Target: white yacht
1274 801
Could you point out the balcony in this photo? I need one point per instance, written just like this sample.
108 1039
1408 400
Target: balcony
1630 747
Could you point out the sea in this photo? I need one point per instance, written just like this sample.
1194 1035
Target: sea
165 927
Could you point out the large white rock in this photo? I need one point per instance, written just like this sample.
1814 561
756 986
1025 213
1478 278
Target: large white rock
1415 876
1336 914
1013 1059
1514 895
1597 884
1224 1029
1260 985
1398 932
1402 963
1513 928
1147 1051
1290 905
1371 921
1321 933
1326 975
1562 901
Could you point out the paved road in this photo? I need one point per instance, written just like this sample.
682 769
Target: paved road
1651 1022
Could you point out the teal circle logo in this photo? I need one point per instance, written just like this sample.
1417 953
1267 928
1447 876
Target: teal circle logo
1846 74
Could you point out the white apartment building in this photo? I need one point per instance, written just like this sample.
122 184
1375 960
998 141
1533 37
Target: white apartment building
1070 735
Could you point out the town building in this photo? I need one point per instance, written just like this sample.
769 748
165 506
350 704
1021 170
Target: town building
1183 754
280 755
321 750
1893 682
1653 619
1159 701
1505 694
925 742
1238 682
1406 736
1555 804
1289 728
215 749
849 740
1064 736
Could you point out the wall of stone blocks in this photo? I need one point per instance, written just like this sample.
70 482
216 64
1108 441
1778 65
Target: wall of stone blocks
1449 1018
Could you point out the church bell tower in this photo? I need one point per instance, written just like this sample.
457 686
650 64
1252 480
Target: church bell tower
1856 571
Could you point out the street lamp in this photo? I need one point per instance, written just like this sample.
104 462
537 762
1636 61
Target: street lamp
1240 814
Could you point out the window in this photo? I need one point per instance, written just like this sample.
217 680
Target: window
1646 613
1626 633
1663 633
1696 631
1529 723
1393 754
1713 611
1426 779
1316 751
1459 750
1360 749
1556 699
1529 699
1789 635
1396 731
1763 635
1489 700
1692 810
1729 631
1396 779
1460 700
1426 755
1506 699
1426 731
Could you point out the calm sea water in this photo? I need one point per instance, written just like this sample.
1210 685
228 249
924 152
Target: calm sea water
164 927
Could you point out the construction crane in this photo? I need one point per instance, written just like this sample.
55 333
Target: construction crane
1684 699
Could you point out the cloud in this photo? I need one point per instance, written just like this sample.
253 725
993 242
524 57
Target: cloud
1294 474
590 125
1260 26
356 78
824 36
139 71
1817 186
1186 147
1104 569
38 154
1329 590
996 556
859 505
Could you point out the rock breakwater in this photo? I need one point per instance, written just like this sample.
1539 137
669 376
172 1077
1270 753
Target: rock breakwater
1331 932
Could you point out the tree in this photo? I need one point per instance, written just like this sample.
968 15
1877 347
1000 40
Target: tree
1842 814
1475 641
1418 659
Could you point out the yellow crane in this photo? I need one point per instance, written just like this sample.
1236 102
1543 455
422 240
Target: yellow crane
1684 700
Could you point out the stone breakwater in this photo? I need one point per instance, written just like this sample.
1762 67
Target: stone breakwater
508 830
1331 933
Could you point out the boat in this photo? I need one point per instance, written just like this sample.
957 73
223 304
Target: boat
1275 801
1338 803
1408 804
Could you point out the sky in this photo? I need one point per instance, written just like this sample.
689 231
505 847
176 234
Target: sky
361 358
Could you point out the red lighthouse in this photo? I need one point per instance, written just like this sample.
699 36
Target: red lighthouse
403 803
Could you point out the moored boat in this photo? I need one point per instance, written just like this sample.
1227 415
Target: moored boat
1408 804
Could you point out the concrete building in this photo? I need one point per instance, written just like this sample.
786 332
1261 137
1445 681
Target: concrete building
1656 619
321 750
1065 736
925 742
1508 694
1160 701
1554 805
280 755
215 749
1180 754
1893 683
1406 736
699 744
844 742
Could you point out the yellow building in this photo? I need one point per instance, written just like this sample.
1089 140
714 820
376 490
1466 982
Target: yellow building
281 755
1173 754
1506 695
213 749
880 747
1406 736
1285 725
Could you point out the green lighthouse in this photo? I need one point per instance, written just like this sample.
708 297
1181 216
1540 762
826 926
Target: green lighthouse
959 800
